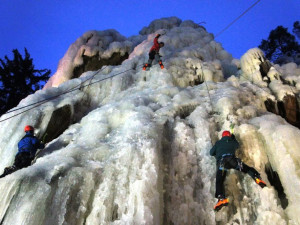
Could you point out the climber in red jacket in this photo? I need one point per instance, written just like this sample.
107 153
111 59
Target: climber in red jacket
154 53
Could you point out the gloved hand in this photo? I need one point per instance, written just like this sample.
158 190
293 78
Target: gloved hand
158 35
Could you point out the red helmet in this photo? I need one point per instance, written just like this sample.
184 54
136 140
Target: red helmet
28 128
226 133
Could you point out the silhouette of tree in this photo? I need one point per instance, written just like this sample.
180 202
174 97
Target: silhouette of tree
280 43
18 79
296 29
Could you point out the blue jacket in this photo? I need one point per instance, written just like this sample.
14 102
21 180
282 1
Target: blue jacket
227 145
29 143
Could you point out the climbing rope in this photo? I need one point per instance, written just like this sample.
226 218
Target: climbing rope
218 34
89 84
53 97
78 87
207 89
240 16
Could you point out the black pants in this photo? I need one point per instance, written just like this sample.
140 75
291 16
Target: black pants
153 55
230 162
22 160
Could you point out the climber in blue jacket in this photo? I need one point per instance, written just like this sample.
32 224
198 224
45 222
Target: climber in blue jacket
224 152
27 148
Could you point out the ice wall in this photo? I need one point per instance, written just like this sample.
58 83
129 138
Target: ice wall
136 150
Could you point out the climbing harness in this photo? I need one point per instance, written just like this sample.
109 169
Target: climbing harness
240 164
222 163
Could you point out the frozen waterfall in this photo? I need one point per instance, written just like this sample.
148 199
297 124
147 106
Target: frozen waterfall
134 148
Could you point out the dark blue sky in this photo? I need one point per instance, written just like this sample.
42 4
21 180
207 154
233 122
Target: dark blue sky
48 27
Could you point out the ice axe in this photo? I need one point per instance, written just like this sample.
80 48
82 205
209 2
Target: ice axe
39 151
44 137
232 128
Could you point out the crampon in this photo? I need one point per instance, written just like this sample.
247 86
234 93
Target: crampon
161 65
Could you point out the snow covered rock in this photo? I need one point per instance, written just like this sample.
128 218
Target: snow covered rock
164 23
96 49
89 53
257 69
255 66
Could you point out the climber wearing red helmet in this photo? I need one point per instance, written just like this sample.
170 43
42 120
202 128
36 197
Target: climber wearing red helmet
224 152
154 53
226 133
27 146
28 128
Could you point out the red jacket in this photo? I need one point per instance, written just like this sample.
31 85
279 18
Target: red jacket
156 46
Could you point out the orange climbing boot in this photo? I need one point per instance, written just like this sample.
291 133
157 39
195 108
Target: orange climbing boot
221 202
161 65
260 182
145 66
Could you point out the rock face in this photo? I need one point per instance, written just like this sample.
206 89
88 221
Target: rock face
289 109
95 63
132 147
89 53
257 69
59 121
